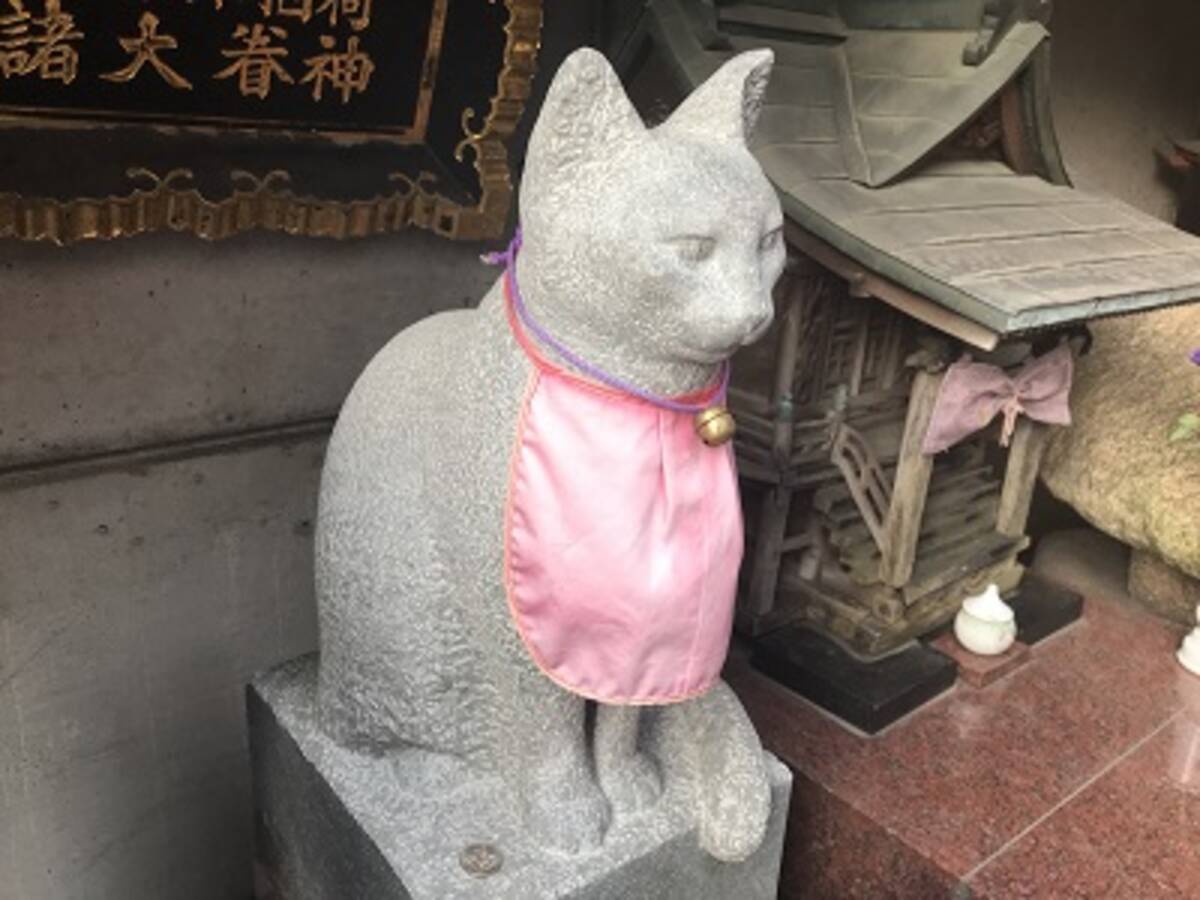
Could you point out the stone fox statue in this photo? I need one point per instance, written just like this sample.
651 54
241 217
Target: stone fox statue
650 254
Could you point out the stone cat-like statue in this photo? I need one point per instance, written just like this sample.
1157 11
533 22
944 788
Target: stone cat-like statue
651 253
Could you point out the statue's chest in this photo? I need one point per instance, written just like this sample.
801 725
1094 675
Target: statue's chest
623 537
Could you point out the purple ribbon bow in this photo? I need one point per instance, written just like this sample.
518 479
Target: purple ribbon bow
973 394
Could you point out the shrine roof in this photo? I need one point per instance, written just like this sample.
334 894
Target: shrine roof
853 132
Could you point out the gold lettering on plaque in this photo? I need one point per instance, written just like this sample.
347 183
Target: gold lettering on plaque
144 49
357 13
290 9
346 72
31 44
256 63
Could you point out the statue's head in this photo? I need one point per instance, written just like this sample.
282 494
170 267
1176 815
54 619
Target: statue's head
665 241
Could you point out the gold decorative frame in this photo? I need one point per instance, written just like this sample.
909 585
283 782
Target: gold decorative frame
170 202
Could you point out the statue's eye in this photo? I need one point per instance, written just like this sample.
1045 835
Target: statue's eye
770 240
694 248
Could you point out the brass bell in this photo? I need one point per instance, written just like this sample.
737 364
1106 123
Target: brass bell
715 425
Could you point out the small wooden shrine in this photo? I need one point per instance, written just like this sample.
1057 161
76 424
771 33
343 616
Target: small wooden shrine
929 217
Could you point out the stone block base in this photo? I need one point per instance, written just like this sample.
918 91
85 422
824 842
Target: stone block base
868 695
333 824
980 671
1043 609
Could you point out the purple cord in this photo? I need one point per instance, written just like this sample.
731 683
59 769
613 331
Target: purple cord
508 258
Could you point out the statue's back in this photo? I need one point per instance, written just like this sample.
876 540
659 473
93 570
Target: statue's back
408 541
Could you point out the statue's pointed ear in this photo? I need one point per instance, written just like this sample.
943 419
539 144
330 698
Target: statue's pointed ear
586 111
726 106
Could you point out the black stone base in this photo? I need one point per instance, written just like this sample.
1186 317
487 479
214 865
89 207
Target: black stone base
869 696
1042 609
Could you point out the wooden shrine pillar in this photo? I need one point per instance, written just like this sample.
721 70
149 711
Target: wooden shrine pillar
1029 442
911 487
1020 477
772 519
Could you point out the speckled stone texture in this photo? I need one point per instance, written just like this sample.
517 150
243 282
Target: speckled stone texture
1114 465
1162 588
650 253
333 824
1076 776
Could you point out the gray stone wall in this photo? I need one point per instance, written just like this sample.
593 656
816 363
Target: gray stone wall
1125 76
165 405
137 601
165 338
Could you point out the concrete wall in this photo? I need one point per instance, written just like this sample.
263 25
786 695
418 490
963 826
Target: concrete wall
137 602
1125 75
110 346
141 586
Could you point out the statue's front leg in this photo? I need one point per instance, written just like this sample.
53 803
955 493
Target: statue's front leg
544 752
628 777
712 738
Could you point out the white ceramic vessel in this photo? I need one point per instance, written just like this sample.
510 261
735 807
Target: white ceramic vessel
1189 651
986 625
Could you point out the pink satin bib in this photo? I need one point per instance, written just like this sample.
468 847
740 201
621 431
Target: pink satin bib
623 537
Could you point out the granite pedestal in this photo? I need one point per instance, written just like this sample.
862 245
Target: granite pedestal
333 824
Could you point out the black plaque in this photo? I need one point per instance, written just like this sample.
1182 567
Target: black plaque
330 118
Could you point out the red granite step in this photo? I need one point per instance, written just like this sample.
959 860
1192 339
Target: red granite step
1041 784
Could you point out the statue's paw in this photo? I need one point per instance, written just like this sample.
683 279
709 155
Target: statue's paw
734 811
572 819
632 784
